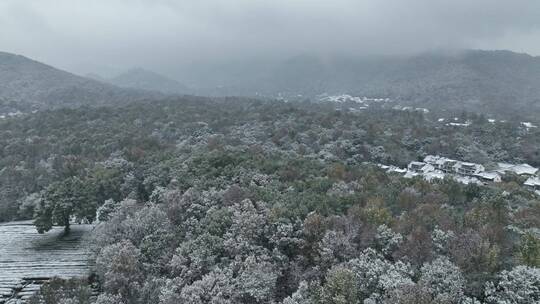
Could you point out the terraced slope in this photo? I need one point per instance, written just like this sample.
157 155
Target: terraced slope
27 259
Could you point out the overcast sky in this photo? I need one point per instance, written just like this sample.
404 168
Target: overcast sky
107 36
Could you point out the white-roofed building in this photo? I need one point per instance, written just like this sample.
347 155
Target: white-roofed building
466 180
396 169
489 176
468 168
429 176
533 183
420 167
410 174
448 165
522 169
437 167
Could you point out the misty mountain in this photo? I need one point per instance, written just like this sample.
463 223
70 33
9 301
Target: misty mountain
28 84
490 82
499 82
147 80
96 77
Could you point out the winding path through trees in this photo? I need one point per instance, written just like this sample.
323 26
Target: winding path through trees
27 259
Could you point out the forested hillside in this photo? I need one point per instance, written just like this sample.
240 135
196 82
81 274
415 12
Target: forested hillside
27 85
147 80
501 84
490 82
235 200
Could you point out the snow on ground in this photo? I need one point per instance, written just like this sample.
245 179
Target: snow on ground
346 98
410 109
459 124
528 125
11 114
26 256
342 99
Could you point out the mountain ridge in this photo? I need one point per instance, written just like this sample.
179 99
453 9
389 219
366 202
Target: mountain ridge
32 84
472 80
139 78
489 82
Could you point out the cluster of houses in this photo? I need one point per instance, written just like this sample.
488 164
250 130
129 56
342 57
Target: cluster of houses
438 167
345 98
11 114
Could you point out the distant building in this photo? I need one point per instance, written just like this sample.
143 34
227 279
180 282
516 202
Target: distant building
437 167
466 180
463 172
533 183
448 165
489 177
453 166
420 167
523 169
430 176
468 168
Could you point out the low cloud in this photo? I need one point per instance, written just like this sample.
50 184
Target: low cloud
107 36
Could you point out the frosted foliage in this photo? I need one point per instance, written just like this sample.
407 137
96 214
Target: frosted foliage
443 280
213 288
387 240
521 285
146 222
335 247
158 195
195 257
300 296
256 280
259 179
375 274
120 265
440 239
341 189
106 298
116 161
248 228
287 236
104 212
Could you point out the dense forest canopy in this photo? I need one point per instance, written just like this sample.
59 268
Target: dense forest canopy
502 84
48 147
344 152
235 200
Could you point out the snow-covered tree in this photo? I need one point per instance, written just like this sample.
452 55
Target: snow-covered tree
106 298
104 212
120 267
440 239
443 280
377 276
335 248
196 257
248 231
217 287
303 295
521 285
256 280
387 240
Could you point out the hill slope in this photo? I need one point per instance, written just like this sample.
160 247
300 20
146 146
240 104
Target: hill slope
148 80
499 82
26 83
